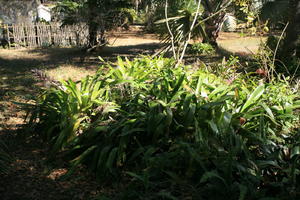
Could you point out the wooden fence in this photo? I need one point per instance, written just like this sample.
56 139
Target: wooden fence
42 35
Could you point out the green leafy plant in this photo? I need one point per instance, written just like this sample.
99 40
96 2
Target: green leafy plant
65 112
202 48
176 132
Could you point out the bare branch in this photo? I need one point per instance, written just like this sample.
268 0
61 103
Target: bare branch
169 29
190 32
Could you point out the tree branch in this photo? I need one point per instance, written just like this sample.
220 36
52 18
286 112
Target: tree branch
170 32
190 32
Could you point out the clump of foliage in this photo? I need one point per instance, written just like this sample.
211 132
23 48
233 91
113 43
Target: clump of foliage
201 48
177 132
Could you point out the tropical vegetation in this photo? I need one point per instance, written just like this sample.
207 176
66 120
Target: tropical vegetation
162 127
176 132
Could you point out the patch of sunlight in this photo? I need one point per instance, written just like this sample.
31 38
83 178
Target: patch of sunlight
67 71
235 43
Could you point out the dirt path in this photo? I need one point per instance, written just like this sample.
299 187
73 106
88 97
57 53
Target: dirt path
31 177
240 45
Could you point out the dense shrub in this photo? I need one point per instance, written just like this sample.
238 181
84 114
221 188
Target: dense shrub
177 133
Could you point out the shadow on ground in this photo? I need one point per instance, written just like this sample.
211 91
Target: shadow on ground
32 178
23 60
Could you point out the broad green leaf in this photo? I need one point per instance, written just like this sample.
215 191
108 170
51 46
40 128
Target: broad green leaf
243 192
102 158
78 160
295 151
212 174
133 130
134 175
111 159
253 98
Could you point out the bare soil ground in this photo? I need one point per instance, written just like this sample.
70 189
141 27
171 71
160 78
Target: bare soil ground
32 176
240 45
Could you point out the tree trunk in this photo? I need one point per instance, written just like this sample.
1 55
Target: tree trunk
92 23
291 43
214 23
212 29
92 33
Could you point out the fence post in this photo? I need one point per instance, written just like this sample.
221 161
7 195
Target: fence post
38 34
8 37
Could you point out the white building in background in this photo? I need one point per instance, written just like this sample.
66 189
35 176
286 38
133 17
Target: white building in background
24 11
43 13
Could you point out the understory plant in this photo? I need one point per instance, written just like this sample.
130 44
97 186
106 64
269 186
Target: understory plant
177 132
272 60
202 48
